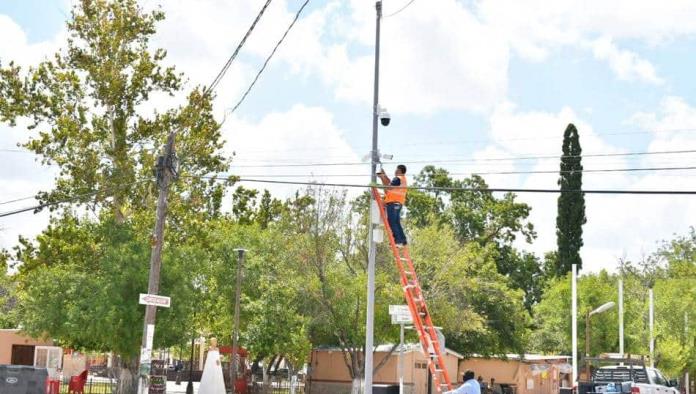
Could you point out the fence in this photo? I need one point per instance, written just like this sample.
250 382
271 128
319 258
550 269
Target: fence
92 386
276 387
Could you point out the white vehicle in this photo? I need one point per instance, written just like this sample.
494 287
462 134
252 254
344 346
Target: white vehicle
633 379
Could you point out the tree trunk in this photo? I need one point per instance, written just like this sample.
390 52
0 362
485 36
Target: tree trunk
356 387
128 377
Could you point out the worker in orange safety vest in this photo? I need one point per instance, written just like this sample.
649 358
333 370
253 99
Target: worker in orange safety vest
395 198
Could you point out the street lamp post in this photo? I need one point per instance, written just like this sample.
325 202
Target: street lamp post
601 309
235 331
374 157
189 386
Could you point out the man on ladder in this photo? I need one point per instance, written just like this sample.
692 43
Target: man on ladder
395 198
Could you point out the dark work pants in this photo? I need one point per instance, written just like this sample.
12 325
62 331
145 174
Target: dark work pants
394 218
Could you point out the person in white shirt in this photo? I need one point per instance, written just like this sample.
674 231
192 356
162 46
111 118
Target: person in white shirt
470 386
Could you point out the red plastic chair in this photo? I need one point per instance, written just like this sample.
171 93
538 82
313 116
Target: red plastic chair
77 383
52 386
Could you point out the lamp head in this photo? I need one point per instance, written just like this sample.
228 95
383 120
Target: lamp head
603 308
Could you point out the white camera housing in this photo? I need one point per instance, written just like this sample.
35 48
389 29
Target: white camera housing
384 117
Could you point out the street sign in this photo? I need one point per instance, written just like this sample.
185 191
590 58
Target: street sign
400 314
156 300
401 319
399 310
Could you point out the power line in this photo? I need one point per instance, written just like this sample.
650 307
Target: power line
227 65
17 200
463 189
594 170
542 157
47 204
268 59
66 200
490 140
400 9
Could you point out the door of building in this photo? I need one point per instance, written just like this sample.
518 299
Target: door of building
23 355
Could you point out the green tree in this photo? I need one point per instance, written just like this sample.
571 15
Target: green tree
478 310
88 107
479 216
571 204
80 283
88 111
8 300
328 251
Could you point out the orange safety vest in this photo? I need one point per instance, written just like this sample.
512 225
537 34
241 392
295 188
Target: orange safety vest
396 194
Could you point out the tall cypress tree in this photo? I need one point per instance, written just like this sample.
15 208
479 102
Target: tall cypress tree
571 204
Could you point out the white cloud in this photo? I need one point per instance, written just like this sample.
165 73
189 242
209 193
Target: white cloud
15 47
432 58
309 132
626 64
618 225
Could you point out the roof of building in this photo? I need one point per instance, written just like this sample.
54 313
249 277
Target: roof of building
526 357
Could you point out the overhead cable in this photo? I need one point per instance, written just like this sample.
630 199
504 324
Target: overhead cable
268 59
594 170
400 9
513 158
227 65
464 189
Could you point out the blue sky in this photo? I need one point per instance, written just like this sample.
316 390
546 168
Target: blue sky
470 80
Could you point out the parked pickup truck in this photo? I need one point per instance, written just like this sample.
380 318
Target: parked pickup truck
633 379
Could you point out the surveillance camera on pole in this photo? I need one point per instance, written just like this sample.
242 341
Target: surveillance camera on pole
384 117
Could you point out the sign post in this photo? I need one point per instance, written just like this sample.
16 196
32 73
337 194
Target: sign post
155 300
401 315
146 352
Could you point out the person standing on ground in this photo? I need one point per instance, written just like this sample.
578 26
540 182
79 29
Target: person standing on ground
395 198
470 386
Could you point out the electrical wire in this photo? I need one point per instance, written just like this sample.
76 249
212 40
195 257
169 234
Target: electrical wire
227 65
66 200
268 59
17 200
464 189
328 164
400 9
430 142
594 170
48 204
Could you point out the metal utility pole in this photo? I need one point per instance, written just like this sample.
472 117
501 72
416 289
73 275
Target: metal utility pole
374 155
652 324
235 333
166 173
574 318
189 386
621 319
588 371
401 360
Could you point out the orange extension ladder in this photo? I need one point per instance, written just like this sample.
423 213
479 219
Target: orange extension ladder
416 304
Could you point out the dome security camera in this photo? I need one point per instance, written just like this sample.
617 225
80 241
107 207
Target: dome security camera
384 117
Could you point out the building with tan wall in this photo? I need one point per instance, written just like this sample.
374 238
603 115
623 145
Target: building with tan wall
530 374
19 349
328 373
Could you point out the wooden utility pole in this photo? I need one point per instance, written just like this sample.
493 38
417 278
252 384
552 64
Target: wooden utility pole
165 173
235 333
